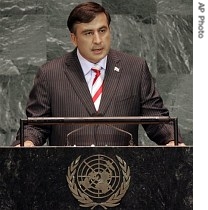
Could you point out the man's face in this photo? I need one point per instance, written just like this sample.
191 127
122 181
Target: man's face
93 38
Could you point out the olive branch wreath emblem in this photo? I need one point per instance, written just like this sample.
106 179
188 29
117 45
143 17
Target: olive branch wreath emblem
85 200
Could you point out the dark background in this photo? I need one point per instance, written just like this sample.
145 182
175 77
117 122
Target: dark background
161 178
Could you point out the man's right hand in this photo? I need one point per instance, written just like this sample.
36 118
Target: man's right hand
27 144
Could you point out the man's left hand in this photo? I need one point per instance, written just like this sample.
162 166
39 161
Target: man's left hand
172 143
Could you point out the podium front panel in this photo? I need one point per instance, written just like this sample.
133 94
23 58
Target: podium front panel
73 178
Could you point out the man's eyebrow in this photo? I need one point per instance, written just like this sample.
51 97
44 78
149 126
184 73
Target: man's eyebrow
87 30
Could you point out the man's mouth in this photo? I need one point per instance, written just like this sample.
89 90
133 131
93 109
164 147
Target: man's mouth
97 51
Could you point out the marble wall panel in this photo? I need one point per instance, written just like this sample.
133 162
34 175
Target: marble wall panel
32 32
182 7
174 40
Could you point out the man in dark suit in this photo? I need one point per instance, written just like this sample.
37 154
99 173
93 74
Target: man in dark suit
64 87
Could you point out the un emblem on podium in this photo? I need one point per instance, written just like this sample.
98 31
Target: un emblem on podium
98 180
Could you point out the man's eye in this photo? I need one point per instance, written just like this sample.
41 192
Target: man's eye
102 30
88 33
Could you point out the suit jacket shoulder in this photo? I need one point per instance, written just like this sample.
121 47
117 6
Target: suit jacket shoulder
59 62
125 56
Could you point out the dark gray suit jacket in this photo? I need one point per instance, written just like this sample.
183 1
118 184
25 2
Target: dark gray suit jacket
60 90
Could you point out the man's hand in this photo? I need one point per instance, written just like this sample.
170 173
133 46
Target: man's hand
172 143
27 144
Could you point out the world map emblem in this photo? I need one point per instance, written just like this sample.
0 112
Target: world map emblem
98 180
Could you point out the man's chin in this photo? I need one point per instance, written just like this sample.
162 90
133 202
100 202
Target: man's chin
97 57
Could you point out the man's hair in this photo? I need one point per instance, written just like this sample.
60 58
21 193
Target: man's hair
85 13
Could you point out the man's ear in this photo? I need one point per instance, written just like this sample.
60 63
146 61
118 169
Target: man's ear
73 39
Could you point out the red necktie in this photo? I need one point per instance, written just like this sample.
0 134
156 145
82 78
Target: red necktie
97 87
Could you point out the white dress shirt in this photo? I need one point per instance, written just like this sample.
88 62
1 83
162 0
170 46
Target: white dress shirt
87 66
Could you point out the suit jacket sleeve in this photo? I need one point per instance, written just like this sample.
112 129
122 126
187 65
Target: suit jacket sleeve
152 105
38 105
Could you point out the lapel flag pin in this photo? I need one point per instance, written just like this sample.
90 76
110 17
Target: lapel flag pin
116 69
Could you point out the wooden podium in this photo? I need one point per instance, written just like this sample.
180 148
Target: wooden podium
73 178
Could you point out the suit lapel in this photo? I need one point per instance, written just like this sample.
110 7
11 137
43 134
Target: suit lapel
76 77
112 76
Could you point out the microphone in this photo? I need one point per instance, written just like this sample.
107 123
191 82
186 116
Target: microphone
131 142
98 114
74 131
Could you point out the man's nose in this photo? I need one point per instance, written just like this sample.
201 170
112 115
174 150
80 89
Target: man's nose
96 38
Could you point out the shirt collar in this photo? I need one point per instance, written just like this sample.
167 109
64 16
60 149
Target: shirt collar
86 65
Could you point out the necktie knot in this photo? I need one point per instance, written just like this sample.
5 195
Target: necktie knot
97 73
